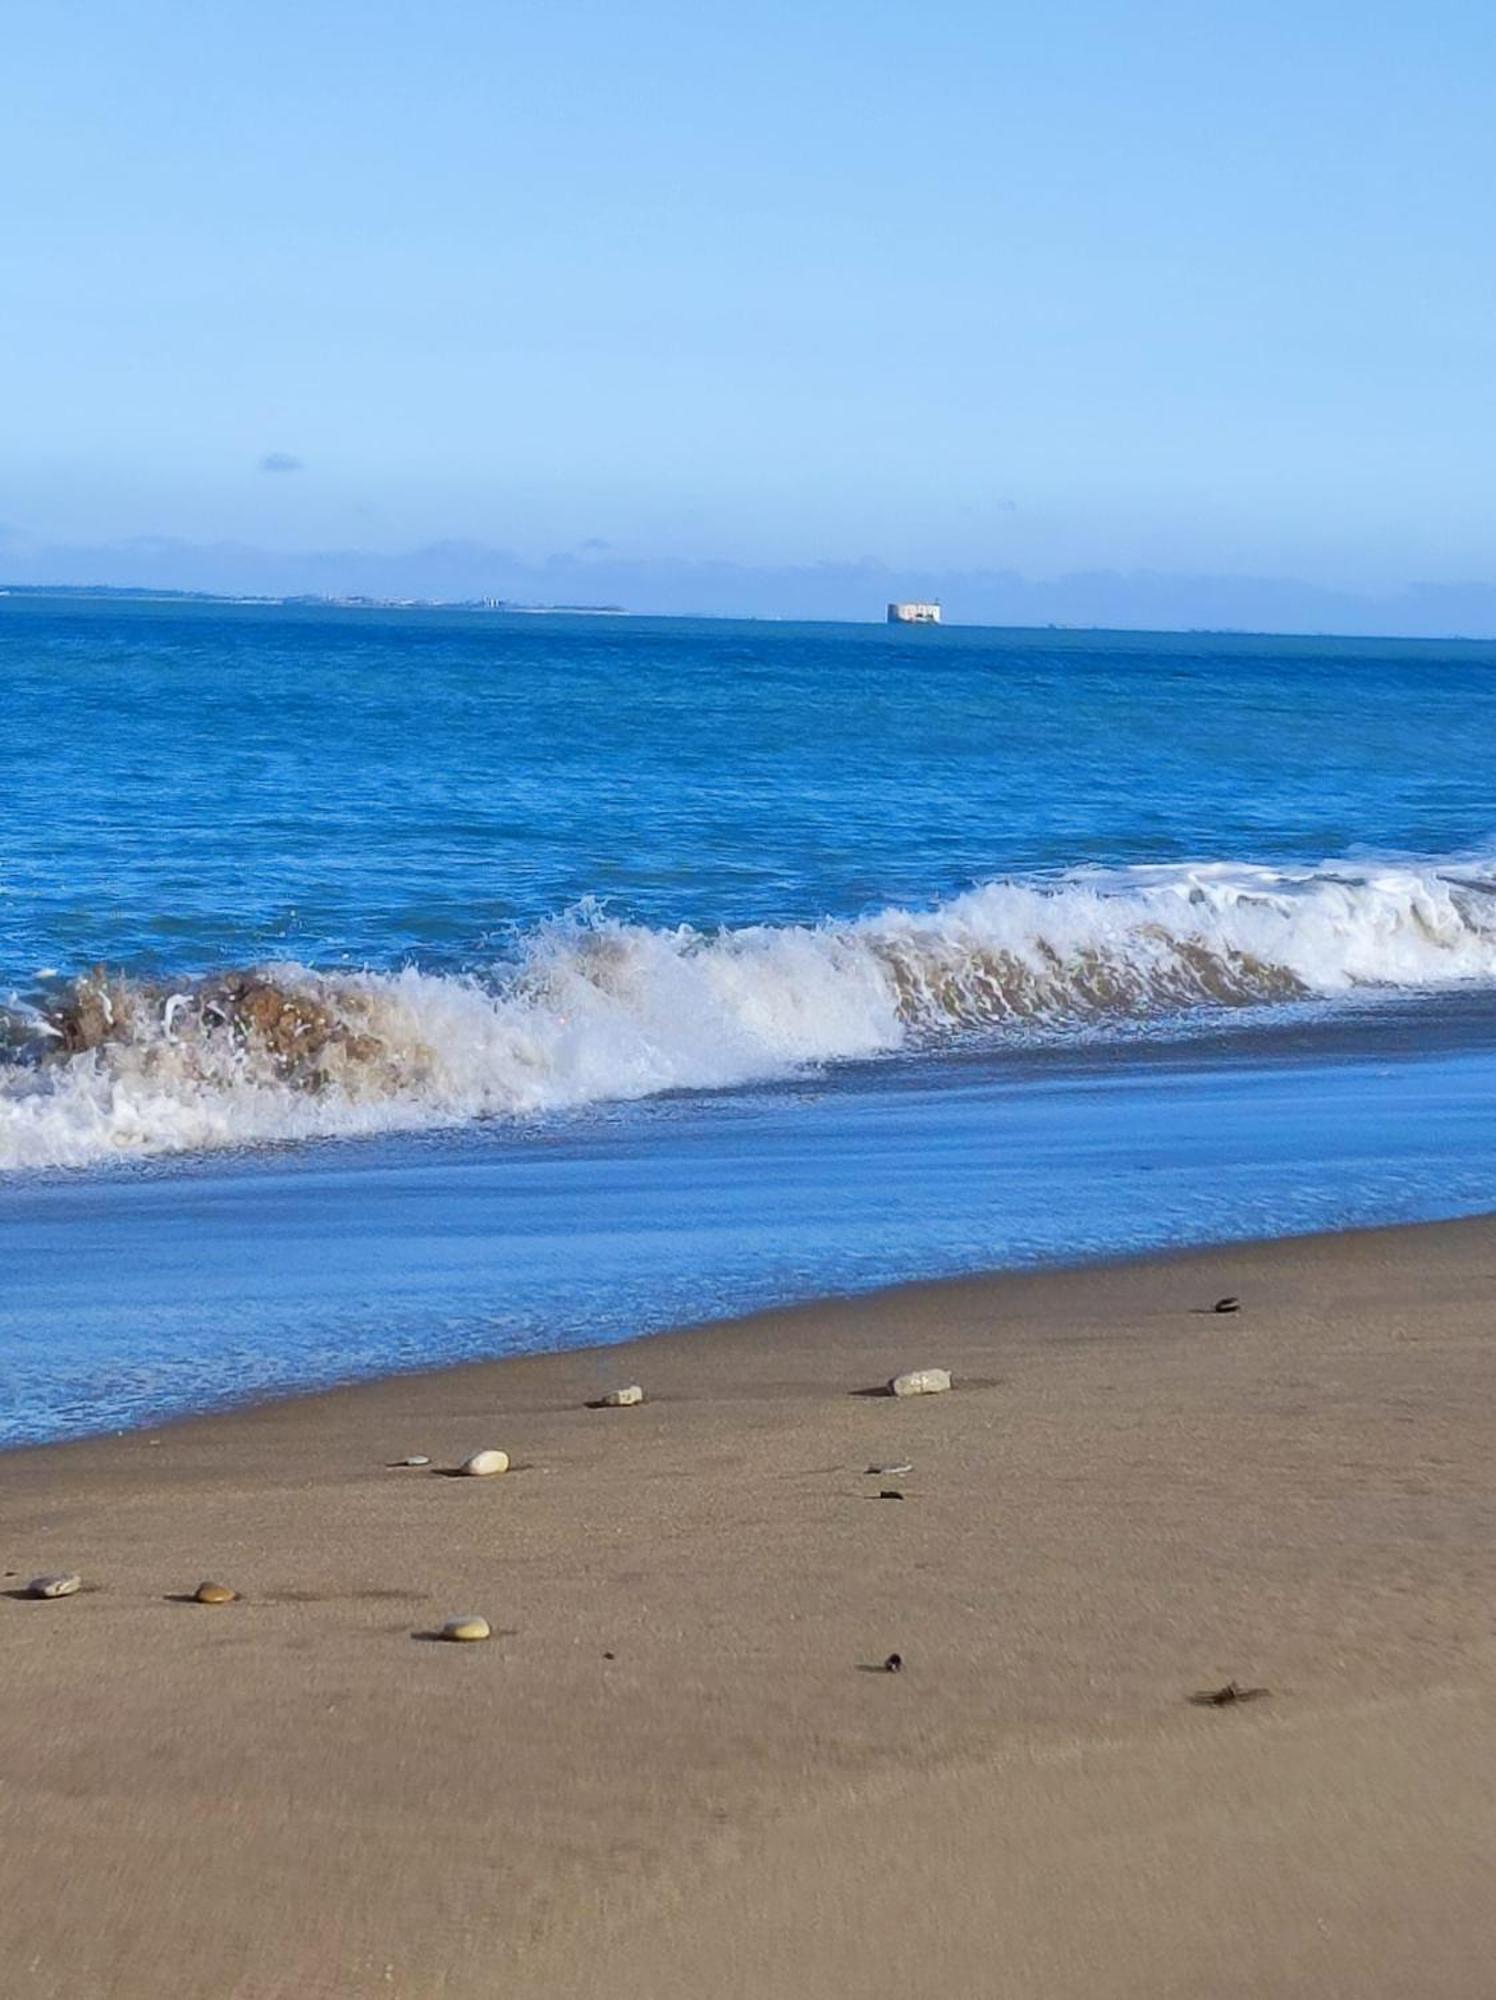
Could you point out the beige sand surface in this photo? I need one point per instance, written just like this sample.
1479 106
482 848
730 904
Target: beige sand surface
1125 1499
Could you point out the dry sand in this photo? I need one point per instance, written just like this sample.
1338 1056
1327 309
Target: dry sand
1124 1500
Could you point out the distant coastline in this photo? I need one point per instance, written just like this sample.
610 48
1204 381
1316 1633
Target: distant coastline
147 594
143 594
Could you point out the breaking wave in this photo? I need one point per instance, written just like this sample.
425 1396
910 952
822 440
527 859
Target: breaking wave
591 1009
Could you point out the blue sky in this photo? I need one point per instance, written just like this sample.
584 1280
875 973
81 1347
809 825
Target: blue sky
1195 289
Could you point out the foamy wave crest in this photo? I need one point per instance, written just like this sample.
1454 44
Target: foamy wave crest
592 1009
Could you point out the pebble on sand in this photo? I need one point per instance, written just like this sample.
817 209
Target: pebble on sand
63 1585
214 1593
483 1464
921 1382
469 1626
622 1399
416 1458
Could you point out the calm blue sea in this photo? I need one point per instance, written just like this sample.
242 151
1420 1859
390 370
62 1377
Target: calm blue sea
379 988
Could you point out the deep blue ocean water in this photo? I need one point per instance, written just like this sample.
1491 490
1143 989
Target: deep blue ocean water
386 987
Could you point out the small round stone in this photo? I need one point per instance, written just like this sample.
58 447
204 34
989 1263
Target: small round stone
469 1626
214 1593
66 1584
623 1399
921 1382
483 1464
416 1458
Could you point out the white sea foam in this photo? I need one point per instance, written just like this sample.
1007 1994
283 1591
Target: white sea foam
593 1009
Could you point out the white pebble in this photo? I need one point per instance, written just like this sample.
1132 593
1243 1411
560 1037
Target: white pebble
484 1463
416 1458
65 1585
469 1626
623 1399
921 1382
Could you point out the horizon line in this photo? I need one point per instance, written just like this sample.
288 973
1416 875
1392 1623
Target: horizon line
504 607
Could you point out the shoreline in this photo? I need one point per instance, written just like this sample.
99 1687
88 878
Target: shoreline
669 1773
254 1403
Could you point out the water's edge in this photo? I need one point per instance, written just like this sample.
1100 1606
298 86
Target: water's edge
477 1368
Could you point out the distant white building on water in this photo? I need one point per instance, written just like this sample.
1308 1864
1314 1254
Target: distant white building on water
914 614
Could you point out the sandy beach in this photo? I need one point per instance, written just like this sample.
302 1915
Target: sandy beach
678 1767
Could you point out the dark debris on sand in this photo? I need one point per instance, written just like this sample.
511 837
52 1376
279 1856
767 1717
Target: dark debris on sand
1228 1696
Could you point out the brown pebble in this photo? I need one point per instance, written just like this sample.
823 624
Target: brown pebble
214 1593
894 1664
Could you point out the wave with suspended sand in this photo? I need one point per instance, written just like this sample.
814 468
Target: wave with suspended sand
590 1009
